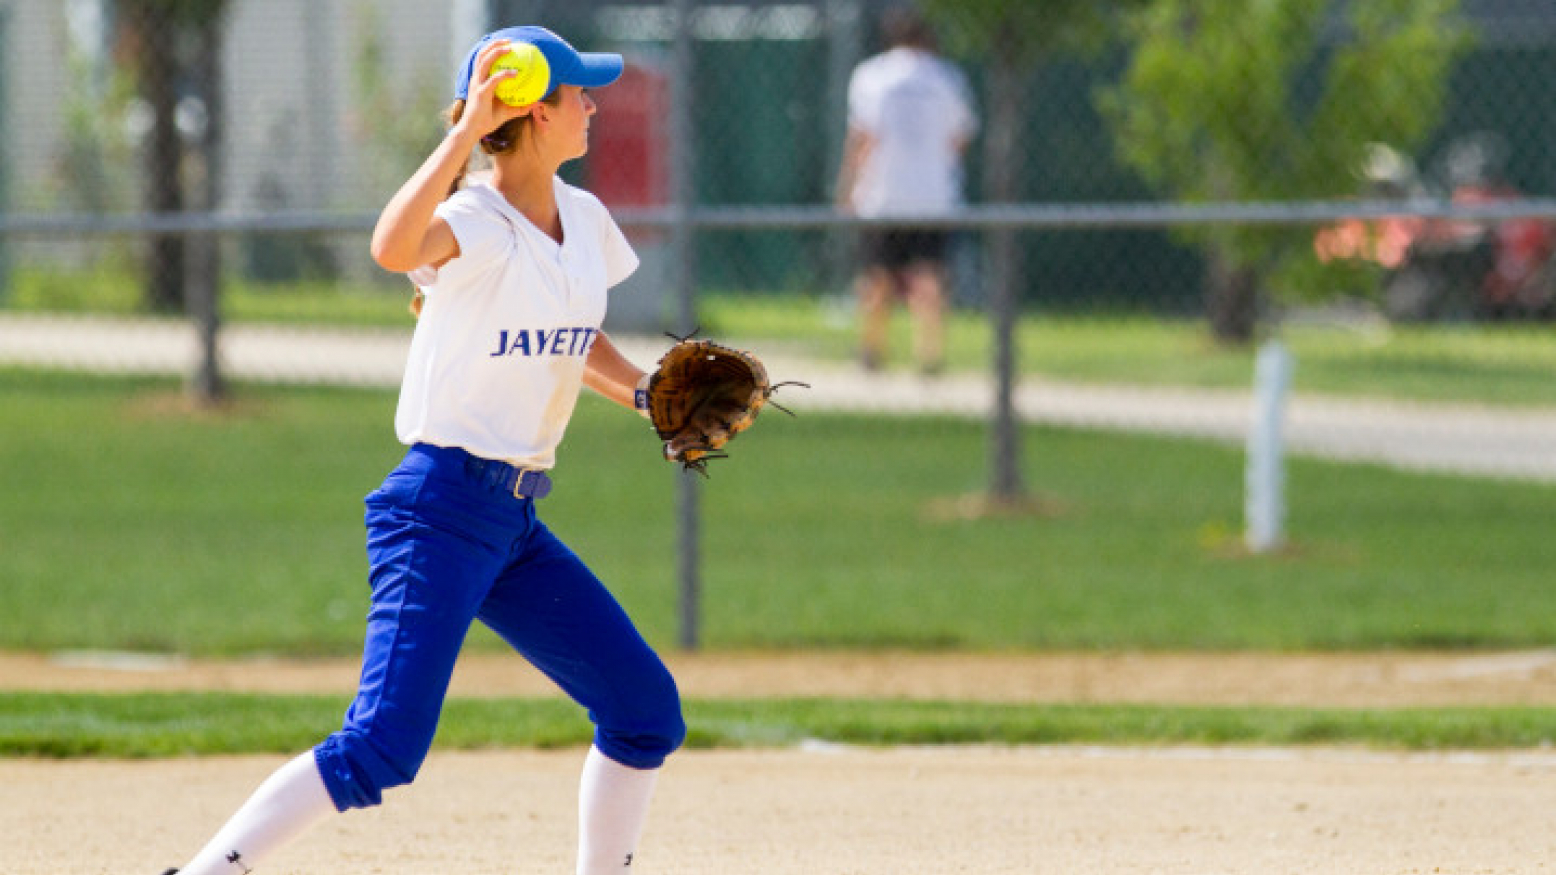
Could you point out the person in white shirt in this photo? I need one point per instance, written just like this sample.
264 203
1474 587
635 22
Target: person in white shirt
910 117
515 272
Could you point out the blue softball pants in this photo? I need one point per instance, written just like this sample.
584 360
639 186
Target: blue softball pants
448 544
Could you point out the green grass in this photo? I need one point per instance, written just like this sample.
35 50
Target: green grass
127 524
176 724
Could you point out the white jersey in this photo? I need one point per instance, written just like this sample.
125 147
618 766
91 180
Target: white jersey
917 111
497 359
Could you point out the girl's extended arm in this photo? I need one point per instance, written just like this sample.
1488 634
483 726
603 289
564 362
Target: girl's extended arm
609 373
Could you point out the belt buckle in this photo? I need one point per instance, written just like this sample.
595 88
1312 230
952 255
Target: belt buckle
518 482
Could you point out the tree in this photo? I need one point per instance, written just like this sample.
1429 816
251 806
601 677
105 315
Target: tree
169 45
1013 37
1232 100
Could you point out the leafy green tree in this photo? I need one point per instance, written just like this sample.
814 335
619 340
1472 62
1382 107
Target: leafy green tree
1269 100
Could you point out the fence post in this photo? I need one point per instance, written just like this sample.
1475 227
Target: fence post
202 249
1000 185
1264 505
201 270
682 277
1006 484
845 40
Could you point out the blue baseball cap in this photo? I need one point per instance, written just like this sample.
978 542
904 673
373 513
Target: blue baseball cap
568 65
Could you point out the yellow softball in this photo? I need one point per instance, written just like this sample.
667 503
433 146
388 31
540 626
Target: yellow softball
529 82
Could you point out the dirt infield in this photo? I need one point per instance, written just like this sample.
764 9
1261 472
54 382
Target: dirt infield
956 810
827 809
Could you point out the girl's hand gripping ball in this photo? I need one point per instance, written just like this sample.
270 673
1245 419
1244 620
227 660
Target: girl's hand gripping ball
532 75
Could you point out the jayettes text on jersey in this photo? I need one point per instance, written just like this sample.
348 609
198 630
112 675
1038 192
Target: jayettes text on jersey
499 376
539 342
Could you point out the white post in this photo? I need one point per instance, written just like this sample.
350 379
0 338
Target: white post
1264 505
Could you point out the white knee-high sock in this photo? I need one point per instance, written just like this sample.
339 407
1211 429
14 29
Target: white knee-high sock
612 806
290 801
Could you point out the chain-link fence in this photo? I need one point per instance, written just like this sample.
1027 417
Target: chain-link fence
1146 187
306 115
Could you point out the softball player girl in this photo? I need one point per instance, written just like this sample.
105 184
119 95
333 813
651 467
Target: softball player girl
515 272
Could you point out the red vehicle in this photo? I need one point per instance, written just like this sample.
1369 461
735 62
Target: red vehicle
1445 268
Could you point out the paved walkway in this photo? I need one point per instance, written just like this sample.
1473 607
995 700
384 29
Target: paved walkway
1436 437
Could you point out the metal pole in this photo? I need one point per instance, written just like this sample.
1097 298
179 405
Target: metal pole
202 252
976 217
682 276
1005 436
206 387
845 44
1002 174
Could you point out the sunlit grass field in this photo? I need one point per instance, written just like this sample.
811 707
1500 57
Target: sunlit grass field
130 523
